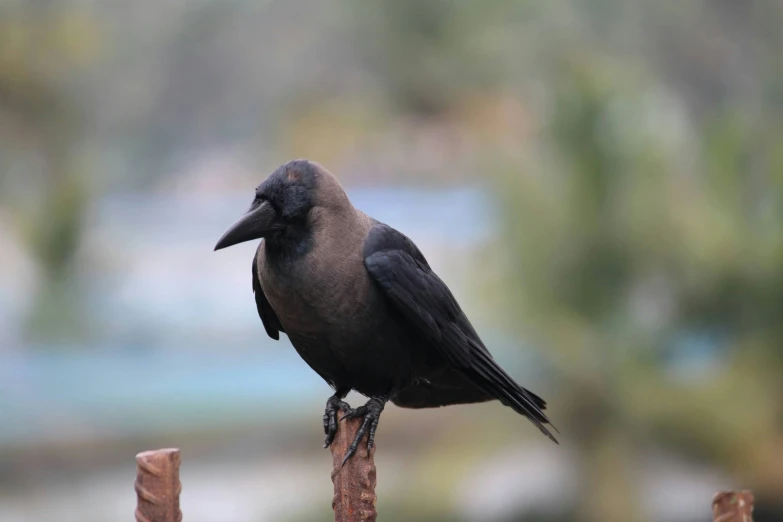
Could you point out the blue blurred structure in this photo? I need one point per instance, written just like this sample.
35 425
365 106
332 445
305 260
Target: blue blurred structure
180 345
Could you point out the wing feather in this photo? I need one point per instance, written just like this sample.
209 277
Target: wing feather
424 300
265 312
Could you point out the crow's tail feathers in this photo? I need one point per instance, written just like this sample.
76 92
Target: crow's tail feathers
490 377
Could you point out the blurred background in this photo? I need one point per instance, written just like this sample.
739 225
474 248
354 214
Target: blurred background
600 183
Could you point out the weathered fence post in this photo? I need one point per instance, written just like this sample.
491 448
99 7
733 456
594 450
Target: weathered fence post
158 486
733 506
354 483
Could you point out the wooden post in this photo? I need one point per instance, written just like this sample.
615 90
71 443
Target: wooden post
158 486
354 483
733 506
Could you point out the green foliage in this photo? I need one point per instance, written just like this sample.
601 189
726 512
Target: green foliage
427 54
625 231
40 49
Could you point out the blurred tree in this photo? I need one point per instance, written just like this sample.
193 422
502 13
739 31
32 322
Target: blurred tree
633 251
41 48
427 54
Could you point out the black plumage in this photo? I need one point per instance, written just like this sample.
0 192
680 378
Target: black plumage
362 306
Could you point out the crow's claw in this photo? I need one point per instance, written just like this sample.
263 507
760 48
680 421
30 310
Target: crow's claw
352 413
372 415
333 405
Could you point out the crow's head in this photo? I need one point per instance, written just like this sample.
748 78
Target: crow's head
285 201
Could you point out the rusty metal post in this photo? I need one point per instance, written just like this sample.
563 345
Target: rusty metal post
733 506
158 486
354 483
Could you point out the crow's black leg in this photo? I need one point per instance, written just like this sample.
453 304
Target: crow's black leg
334 404
371 412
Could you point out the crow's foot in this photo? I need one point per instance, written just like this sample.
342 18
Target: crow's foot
334 404
371 412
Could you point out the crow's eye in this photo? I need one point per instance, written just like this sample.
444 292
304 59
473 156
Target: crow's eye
261 198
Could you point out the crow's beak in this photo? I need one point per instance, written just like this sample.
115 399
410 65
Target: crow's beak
255 224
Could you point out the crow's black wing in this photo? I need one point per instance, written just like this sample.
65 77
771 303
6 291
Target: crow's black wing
441 387
398 267
271 322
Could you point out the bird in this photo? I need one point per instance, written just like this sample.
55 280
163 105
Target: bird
362 306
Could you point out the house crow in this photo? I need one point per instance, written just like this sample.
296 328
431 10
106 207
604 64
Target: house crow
362 307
